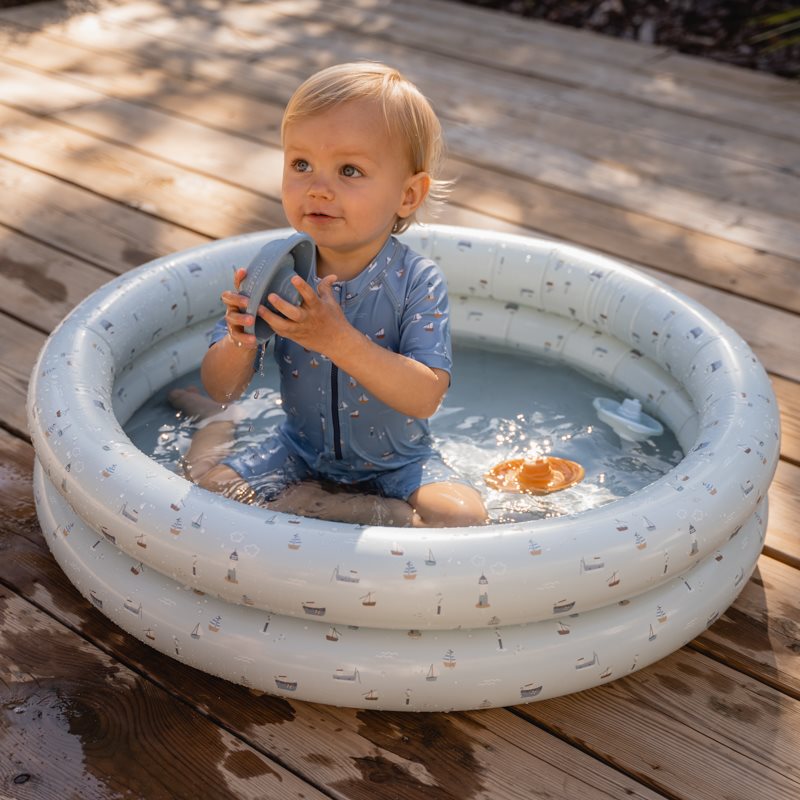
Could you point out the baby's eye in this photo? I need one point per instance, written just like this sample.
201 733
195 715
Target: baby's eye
301 165
349 171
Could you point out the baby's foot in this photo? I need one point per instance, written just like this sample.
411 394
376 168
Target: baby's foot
193 403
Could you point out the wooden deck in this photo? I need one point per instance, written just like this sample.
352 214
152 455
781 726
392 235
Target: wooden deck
150 126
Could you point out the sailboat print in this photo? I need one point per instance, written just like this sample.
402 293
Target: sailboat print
196 632
396 549
529 690
449 659
613 580
431 676
129 513
410 571
332 635
197 522
368 599
483 600
133 606
283 682
534 548
310 607
214 624
563 606
351 576
176 527
563 629
583 663
294 542
341 675
141 541
661 615
371 695
640 541
653 635
430 561
595 562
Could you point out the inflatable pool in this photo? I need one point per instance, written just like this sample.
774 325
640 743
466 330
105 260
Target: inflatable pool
395 618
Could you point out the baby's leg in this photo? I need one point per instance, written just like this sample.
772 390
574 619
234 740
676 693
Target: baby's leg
447 505
210 443
312 499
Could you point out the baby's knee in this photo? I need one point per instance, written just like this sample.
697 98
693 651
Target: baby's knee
449 506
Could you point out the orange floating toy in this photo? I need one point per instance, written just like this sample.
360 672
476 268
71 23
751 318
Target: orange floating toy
540 475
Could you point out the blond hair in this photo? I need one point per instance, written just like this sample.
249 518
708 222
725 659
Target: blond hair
406 110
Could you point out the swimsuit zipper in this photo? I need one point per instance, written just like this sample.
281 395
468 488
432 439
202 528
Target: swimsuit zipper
337 436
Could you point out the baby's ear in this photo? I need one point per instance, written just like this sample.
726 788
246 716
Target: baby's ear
415 191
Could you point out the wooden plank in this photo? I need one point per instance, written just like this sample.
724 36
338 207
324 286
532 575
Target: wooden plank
687 726
759 634
21 345
84 224
650 59
638 237
79 723
40 283
788 394
783 532
393 23
354 754
133 178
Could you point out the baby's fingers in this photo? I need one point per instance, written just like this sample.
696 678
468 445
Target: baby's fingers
238 276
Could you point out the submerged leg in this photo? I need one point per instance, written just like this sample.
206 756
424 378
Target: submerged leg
312 499
210 443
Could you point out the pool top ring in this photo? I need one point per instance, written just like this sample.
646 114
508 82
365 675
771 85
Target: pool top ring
541 475
536 297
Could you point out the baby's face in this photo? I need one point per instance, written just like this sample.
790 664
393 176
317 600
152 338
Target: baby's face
346 179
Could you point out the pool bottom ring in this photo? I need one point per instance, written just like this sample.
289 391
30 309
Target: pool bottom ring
540 475
400 618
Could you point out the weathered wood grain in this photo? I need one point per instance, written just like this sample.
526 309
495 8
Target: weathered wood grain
77 723
687 726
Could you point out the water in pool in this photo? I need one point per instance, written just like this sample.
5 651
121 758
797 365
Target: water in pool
499 406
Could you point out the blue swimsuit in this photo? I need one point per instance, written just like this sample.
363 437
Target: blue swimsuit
335 430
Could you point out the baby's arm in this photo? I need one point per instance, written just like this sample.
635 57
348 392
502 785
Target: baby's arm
406 385
227 367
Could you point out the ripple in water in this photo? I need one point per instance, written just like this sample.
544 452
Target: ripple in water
499 406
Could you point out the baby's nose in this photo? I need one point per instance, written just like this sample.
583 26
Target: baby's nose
320 188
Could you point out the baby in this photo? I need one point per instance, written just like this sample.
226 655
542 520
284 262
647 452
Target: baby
365 359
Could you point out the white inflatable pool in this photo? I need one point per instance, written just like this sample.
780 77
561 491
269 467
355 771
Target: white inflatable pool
398 618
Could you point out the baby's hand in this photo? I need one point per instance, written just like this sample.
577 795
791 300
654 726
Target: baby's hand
317 324
235 305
